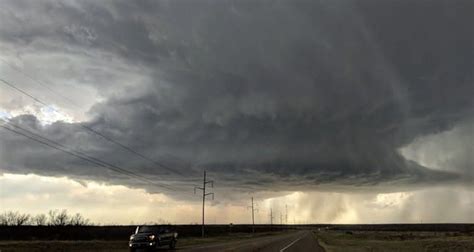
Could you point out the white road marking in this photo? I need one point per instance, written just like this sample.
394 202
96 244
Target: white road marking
289 245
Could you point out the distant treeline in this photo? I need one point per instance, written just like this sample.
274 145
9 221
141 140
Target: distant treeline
53 218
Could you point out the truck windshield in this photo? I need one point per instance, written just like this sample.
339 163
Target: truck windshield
146 229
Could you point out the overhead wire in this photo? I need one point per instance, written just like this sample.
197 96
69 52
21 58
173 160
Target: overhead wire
39 82
78 154
82 155
70 101
93 131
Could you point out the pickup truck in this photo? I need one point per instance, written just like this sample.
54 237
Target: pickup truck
151 237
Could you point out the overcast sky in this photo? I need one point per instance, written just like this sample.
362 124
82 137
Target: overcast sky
348 111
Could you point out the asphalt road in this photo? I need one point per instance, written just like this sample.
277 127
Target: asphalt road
291 242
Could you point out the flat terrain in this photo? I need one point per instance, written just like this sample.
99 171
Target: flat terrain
336 241
289 242
36 246
331 238
277 241
284 242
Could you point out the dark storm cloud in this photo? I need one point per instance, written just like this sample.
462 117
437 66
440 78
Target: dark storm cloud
286 94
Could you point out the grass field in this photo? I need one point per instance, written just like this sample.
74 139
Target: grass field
113 245
359 241
335 238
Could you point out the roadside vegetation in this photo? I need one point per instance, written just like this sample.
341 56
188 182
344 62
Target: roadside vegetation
115 245
53 218
361 241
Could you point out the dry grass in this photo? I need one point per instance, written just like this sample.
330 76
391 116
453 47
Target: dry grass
336 241
103 246
23 246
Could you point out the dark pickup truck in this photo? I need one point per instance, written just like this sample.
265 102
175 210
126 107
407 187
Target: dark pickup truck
151 237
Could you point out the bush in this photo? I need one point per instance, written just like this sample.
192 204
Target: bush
11 218
40 220
54 218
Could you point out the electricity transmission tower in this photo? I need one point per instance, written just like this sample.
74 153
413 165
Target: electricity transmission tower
204 195
253 217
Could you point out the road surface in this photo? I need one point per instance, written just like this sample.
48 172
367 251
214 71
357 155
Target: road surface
290 242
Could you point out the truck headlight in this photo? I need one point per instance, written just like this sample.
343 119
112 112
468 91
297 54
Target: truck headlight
151 237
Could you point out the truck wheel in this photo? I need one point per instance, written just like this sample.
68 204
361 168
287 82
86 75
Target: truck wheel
173 244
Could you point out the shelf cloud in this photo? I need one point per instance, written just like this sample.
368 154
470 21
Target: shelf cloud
269 95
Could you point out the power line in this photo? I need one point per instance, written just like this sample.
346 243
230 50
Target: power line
68 100
48 142
60 149
43 84
94 131
40 83
55 145
75 151
204 195
131 150
23 92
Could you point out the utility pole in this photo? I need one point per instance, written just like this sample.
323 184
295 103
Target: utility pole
286 215
204 194
281 218
271 217
253 217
